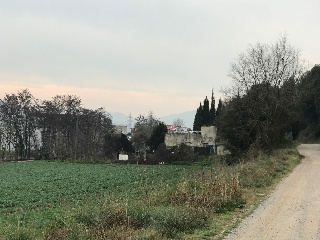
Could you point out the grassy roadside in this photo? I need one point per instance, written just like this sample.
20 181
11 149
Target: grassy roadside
200 201
259 177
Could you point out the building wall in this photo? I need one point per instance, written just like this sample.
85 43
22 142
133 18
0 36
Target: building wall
206 136
120 129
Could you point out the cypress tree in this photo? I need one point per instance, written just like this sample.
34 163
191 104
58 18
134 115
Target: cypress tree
206 113
219 108
212 109
198 119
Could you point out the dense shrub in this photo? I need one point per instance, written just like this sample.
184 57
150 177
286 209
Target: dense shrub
184 153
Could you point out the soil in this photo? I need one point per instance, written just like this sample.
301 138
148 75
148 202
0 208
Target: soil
293 210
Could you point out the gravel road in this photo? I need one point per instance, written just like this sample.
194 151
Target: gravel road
293 210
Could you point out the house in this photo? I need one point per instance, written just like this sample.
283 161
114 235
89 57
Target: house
204 138
120 129
176 129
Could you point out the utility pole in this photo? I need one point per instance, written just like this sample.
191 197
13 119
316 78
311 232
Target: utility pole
130 122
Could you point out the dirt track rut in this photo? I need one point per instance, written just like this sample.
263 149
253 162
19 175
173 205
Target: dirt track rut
293 210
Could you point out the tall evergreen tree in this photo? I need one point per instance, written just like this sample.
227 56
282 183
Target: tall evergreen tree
198 119
206 113
212 109
219 108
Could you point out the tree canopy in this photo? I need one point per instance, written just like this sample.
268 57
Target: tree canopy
49 129
206 114
264 97
265 63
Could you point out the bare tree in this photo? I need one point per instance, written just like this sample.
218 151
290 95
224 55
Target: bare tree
263 63
178 122
70 131
142 133
19 122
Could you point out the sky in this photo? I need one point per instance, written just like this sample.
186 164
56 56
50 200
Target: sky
137 56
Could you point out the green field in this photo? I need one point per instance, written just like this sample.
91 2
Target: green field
34 195
41 184
66 200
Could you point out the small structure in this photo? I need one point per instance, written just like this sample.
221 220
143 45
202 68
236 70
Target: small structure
120 129
204 138
176 129
123 157
221 150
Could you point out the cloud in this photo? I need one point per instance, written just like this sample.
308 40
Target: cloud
136 56
161 101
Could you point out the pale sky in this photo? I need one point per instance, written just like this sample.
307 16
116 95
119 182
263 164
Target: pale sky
138 56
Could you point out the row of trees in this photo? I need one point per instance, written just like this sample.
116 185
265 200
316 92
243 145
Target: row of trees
61 128
207 114
270 98
56 128
309 99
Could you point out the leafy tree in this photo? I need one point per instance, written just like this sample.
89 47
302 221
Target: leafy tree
309 89
315 78
142 132
116 143
157 136
111 145
264 91
19 122
261 117
125 145
184 153
163 154
235 127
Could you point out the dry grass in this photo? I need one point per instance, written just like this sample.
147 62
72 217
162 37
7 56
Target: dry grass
209 190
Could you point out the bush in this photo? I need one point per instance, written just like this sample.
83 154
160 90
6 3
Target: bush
171 221
151 159
184 153
163 154
209 190
261 171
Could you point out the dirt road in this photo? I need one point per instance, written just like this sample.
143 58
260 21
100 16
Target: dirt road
293 209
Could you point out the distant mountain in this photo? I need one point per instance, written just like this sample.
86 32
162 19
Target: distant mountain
187 117
119 119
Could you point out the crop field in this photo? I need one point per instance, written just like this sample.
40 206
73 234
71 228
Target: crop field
35 194
68 200
40 184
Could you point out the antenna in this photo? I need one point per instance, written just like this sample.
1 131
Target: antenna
130 121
